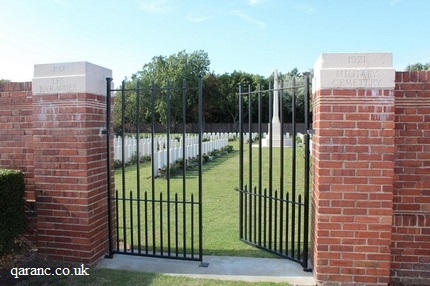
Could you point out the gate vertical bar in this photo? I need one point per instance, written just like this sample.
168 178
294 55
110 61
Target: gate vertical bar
146 222
192 225
117 219
240 162
108 164
161 225
176 225
168 167
281 171
250 160
184 165
131 223
260 160
307 167
270 135
293 166
299 227
271 95
200 114
153 164
139 241
287 221
124 221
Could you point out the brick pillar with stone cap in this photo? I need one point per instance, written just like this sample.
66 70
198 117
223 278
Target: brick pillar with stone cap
69 113
353 164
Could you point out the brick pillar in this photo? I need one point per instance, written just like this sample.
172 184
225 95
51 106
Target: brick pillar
353 168
69 110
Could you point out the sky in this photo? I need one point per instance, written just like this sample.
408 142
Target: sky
254 36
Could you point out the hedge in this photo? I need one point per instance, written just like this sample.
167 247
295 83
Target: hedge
12 208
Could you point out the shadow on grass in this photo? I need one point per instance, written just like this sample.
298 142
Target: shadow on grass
253 252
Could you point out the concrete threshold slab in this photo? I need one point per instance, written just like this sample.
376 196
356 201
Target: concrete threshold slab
220 267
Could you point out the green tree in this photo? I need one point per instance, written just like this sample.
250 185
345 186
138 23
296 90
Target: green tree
4 81
299 79
229 90
294 79
211 99
418 67
164 75
294 72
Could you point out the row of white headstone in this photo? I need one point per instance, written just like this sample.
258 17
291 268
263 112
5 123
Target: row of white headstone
191 151
212 141
160 143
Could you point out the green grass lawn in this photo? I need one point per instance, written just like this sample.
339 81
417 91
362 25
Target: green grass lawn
220 202
98 277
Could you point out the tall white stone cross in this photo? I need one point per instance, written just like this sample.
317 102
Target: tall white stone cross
276 123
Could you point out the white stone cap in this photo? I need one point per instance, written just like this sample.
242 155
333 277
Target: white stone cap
354 71
72 77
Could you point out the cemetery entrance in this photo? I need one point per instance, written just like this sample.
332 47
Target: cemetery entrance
274 170
151 216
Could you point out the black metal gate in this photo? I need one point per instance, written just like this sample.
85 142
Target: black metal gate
274 180
149 215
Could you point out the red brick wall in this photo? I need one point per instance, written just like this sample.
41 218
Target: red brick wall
16 130
410 247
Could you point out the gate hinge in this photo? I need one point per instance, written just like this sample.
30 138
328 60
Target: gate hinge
311 131
105 132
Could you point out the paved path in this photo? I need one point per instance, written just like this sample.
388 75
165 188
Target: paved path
220 267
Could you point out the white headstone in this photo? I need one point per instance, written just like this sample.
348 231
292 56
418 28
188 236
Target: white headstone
354 71
74 77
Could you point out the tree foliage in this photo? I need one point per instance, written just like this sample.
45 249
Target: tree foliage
170 76
163 77
229 88
418 67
